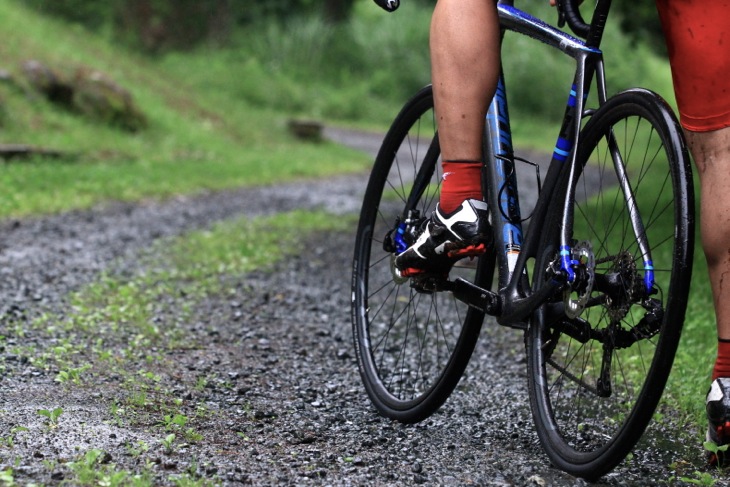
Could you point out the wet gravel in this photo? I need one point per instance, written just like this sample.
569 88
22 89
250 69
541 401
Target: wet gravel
283 400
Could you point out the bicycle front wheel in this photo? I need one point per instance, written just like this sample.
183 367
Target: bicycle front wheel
599 356
412 345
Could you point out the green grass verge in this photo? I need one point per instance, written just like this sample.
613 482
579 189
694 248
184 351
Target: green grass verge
199 136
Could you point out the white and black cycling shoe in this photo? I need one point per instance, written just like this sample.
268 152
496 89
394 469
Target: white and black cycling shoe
447 238
717 406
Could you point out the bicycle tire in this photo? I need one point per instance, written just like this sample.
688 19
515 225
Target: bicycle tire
412 347
582 432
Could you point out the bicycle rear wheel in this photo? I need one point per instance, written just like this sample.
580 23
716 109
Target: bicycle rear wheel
599 357
412 346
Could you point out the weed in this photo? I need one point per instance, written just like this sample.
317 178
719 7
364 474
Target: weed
104 355
138 448
52 415
72 374
167 443
7 478
93 468
192 436
150 376
202 411
200 383
116 410
138 399
712 447
700 478
174 421
187 480
9 440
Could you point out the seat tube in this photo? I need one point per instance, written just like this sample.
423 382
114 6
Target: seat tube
500 184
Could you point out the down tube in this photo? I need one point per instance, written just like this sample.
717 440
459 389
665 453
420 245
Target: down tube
501 184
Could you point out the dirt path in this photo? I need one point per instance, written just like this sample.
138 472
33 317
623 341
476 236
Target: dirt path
268 387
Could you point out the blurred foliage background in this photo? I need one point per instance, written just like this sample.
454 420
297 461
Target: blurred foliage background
345 59
157 25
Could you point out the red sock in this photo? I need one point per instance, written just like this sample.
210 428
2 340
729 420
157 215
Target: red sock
722 364
461 181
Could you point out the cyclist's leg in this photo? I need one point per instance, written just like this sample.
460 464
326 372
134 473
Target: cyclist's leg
711 153
465 67
700 66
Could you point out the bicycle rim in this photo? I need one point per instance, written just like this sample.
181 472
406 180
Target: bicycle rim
597 377
412 347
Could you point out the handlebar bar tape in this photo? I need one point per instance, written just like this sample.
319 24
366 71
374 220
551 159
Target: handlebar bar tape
569 8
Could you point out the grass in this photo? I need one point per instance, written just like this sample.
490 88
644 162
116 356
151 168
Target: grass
198 138
192 267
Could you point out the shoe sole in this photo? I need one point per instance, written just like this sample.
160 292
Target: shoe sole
468 251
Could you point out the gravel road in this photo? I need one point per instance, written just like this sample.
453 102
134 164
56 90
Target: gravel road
283 399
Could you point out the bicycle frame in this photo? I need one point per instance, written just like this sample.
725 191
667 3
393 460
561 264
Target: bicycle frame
514 301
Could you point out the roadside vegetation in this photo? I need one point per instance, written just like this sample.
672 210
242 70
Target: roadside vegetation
217 116
218 119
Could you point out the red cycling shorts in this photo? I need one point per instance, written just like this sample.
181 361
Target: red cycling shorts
697 33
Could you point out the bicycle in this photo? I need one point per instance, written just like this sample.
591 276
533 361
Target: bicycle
598 281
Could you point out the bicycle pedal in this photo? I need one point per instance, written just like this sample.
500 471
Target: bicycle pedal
430 283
